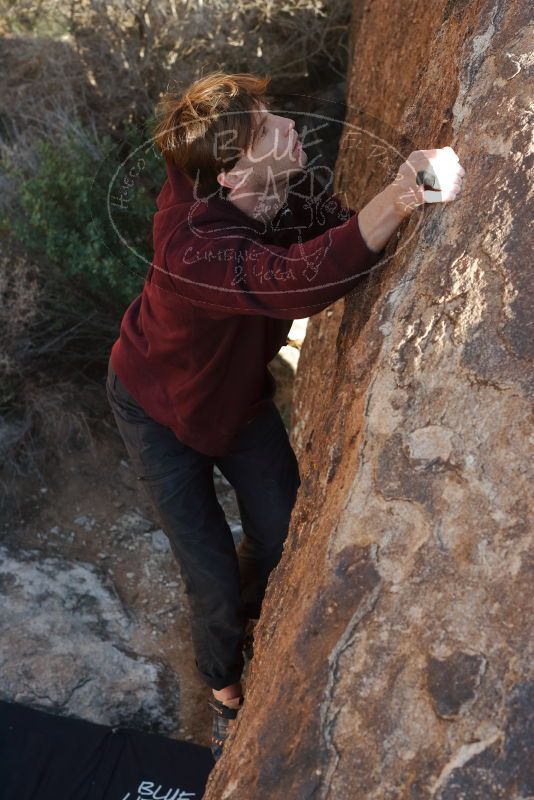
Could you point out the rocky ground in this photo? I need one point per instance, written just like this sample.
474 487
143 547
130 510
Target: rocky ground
95 621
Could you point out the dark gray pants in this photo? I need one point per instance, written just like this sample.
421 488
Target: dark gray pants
224 586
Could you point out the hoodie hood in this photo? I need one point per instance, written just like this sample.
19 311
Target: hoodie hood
179 195
178 203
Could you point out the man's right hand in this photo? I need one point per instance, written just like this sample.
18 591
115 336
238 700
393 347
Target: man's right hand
441 165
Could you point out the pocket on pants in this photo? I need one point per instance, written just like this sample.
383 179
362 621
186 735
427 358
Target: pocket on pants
155 451
155 477
129 432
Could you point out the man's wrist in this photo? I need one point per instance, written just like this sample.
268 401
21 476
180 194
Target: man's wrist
397 200
380 218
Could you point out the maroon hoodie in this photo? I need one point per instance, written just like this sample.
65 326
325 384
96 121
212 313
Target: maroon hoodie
219 299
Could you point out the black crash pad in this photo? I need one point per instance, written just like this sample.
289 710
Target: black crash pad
48 757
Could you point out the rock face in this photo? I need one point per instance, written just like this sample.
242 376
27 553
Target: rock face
392 657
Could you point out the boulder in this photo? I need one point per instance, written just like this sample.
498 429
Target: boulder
393 657
68 647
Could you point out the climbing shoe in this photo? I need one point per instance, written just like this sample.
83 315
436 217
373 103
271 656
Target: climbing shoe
222 719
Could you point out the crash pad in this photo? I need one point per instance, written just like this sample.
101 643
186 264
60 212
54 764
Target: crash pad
45 756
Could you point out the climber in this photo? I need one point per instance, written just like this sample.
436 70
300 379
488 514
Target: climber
245 241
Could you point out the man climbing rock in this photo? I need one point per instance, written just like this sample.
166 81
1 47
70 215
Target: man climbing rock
245 241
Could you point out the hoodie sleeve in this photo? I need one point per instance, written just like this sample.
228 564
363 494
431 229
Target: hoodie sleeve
243 275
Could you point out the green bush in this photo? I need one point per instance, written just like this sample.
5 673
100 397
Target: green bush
86 210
